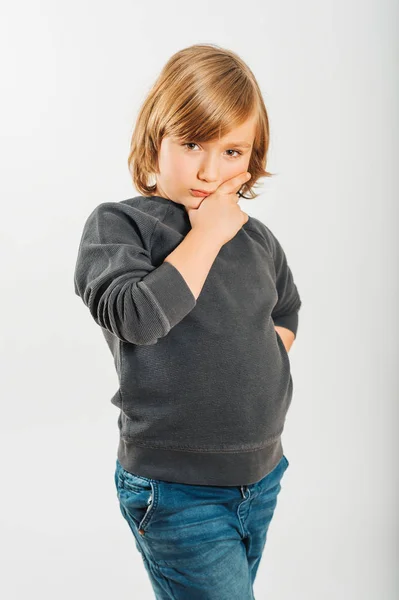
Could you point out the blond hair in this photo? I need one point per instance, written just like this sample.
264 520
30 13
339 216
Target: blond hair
202 92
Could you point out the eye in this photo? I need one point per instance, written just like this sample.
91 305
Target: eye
230 150
238 152
189 144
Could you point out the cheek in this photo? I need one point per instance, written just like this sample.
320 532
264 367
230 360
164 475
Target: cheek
171 163
236 167
178 166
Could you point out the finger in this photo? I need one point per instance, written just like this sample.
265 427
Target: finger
233 185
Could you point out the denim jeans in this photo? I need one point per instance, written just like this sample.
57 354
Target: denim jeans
199 542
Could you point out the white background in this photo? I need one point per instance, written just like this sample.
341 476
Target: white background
73 77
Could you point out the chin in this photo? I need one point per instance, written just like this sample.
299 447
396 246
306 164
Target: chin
188 206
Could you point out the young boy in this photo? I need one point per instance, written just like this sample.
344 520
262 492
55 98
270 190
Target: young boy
199 308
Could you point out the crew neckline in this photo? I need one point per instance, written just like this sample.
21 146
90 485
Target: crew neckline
167 201
181 207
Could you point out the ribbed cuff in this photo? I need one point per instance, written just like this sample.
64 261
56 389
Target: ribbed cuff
170 290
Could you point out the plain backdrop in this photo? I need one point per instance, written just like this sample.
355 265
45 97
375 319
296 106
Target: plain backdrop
74 75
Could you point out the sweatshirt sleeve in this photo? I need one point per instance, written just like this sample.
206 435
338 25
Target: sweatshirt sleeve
114 276
285 312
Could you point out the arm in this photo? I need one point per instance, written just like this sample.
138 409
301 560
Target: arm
285 312
126 293
134 299
193 258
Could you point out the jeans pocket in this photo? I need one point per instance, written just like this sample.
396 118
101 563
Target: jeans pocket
138 495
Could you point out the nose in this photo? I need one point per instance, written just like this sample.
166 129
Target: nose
209 169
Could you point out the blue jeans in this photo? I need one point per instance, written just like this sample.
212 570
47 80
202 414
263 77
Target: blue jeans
199 542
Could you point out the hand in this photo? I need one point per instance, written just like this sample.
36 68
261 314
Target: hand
286 335
219 214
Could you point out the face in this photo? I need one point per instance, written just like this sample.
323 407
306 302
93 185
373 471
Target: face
194 166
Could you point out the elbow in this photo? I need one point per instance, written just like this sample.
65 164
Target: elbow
132 322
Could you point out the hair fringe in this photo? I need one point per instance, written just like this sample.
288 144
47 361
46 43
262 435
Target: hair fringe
202 92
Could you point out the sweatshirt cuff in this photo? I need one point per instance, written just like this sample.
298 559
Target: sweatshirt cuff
287 321
170 291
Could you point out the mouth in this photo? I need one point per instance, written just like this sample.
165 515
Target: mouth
200 192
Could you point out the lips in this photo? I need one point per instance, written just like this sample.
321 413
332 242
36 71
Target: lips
200 193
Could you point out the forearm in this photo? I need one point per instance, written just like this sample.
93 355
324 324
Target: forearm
286 335
194 257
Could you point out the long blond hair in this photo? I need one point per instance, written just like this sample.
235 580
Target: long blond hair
202 92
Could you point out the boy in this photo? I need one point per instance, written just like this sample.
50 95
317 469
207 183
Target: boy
199 308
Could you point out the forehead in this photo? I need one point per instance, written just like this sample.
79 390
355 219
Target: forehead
247 128
241 135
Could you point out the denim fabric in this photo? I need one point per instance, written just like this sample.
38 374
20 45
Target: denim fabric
199 542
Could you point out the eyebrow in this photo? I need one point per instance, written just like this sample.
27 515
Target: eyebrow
241 144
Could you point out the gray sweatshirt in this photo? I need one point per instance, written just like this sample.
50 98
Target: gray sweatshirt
204 384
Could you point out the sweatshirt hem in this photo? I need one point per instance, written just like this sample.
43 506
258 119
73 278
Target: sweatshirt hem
196 468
